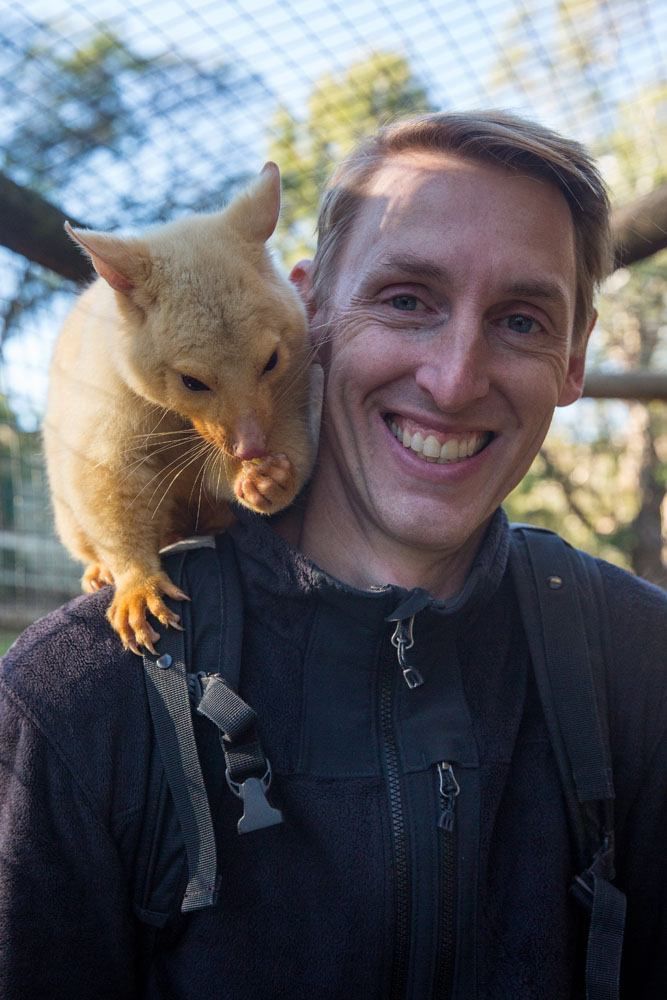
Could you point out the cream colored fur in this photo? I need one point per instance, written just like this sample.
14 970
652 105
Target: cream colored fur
135 458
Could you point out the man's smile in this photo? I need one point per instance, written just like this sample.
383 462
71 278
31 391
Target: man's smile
436 446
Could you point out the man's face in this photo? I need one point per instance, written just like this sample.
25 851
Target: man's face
448 346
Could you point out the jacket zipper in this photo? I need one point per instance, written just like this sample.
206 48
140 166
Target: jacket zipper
448 789
402 639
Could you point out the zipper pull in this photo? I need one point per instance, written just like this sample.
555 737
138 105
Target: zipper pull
449 789
401 640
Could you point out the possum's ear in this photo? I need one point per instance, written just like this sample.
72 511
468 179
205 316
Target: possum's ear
123 263
255 212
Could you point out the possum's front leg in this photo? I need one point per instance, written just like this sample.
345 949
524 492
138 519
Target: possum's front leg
108 518
136 594
267 484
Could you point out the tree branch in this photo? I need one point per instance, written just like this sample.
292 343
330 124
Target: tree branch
563 480
33 227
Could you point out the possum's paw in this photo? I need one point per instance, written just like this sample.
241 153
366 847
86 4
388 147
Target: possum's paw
135 596
96 575
266 485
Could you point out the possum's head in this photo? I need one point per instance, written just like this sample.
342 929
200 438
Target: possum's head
209 328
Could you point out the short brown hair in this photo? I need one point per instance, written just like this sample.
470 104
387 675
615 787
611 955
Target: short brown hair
495 137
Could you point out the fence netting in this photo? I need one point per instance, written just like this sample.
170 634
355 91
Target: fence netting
161 108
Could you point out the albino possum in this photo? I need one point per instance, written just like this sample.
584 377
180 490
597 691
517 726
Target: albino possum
180 381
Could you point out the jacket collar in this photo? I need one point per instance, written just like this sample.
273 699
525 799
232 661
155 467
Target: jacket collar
273 566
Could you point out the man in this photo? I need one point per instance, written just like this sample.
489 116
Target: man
426 850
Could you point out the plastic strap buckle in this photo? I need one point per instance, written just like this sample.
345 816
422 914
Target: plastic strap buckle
258 812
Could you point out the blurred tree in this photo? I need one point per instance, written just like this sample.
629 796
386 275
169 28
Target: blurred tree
340 110
602 479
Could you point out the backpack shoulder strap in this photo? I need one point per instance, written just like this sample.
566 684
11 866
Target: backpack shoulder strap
175 764
177 812
567 652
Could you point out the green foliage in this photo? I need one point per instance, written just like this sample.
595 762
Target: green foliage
6 639
636 161
340 110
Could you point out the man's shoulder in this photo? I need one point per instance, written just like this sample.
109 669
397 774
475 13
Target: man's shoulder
633 618
626 594
63 648
635 648
68 678
630 594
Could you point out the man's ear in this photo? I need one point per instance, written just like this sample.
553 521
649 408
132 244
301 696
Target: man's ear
300 276
574 380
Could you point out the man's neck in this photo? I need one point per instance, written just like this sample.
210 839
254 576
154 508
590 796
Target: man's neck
363 557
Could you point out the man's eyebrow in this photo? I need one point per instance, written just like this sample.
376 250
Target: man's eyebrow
550 291
423 267
412 264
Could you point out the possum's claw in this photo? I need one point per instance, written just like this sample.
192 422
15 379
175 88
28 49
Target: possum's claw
96 575
136 595
266 485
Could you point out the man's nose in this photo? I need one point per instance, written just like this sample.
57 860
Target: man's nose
455 366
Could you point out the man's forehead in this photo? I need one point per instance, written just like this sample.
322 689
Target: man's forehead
411 165
405 178
426 211
432 189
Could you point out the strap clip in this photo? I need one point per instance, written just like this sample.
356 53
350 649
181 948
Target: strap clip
258 812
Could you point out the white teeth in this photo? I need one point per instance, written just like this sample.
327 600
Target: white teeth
449 451
417 442
431 449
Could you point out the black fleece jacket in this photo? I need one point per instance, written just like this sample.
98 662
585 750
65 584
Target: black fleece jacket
381 882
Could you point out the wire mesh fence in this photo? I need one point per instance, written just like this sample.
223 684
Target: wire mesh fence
162 108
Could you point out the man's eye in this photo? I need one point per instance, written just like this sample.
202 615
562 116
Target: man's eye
519 323
406 303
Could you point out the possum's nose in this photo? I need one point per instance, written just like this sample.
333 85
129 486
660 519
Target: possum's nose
249 439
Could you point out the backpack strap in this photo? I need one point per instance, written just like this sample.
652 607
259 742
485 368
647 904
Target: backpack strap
166 677
248 771
177 811
567 653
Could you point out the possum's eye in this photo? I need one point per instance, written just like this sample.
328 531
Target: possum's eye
271 363
194 384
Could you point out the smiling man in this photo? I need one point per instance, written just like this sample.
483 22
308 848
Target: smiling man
450 341
430 831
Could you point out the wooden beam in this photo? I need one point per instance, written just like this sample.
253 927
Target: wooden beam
33 227
638 385
640 227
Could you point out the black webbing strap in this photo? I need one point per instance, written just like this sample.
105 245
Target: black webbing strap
545 572
169 703
567 681
248 770
231 601
605 941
